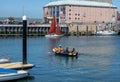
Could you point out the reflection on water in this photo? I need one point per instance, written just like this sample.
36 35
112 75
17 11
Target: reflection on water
65 61
26 79
53 42
98 59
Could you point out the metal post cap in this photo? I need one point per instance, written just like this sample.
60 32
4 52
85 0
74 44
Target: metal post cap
24 17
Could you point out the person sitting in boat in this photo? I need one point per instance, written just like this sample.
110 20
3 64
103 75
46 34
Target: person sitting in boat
56 49
74 52
67 50
73 49
61 50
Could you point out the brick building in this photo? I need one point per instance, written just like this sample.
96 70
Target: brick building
80 11
118 16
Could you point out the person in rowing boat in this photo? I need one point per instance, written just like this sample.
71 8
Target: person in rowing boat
73 49
61 50
74 52
66 51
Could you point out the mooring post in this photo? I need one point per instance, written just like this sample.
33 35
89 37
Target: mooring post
24 40
77 31
87 30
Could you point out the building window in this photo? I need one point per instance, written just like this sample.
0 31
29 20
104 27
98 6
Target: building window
57 8
69 13
57 11
57 14
75 14
69 9
103 21
75 18
69 18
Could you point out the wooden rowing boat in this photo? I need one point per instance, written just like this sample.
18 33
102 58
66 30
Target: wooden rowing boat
62 52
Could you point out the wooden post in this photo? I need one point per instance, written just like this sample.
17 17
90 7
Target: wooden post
96 29
87 30
24 40
77 31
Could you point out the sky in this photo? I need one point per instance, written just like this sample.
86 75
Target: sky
30 8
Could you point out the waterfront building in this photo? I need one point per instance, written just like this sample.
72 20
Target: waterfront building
118 16
80 11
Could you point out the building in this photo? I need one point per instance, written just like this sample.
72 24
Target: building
118 16
106 1
80 11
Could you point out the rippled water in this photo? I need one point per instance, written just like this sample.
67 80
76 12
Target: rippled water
98 59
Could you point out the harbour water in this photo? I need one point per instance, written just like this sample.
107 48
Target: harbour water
98 59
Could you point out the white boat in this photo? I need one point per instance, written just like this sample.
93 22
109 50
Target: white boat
8 74
53 36
106 32
4 60
54 31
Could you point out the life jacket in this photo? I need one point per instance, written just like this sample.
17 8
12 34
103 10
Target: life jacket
56 49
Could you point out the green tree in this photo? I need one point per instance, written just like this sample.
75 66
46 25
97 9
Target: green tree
11 18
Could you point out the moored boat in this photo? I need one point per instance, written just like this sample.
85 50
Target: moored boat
107 32
4 60
54 31
53 36
9 74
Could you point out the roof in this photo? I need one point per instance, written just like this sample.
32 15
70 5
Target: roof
79 2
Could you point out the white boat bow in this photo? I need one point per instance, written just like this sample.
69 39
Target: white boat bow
4 60
8 74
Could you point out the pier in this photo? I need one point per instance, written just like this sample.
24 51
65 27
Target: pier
32 30
73 29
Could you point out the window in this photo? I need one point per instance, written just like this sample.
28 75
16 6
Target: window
75 18
69 18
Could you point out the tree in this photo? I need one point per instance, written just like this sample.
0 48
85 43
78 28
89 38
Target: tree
11 18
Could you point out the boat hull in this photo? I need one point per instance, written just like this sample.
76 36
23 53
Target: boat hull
67 54
13 76
4 60
53 36
107 33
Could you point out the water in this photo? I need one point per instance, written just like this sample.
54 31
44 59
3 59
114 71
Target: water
98 59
